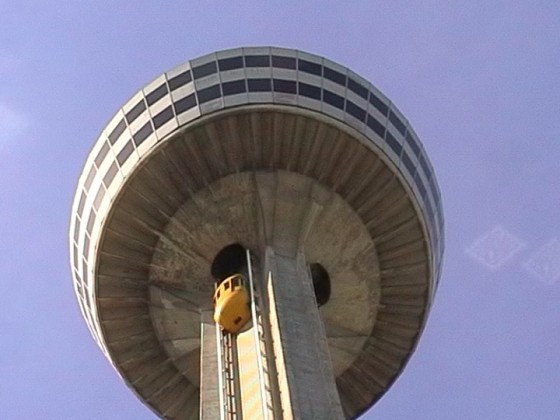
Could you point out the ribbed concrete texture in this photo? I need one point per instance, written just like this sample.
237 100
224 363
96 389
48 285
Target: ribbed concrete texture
300 161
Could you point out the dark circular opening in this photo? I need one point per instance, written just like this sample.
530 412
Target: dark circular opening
321 283
230 260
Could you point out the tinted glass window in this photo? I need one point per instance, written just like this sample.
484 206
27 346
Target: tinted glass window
163 117
76 229
375 125
257 61
136 111
355 111
157 94
99 197
230 63
333 99
86 245
185 104
424 165
433 188
420 185
357 88
90 176
397 123
142 134
309 67
378 104
125 152
283 62
412 143
234 87
393 143
81 203
117 131
110 175
334 76
259 85
408 163
102 153
204 70
285 86
309 91
208 94
180 80
90 222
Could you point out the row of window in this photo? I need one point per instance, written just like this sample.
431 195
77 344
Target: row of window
272 85
250 61
253 85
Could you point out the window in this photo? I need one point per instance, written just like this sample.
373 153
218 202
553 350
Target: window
204 70
90 222
309 67
408 163
357 88
356 111
99 197
259 85
185 104
110 175
142 134
284 86
393 143
397 123
378 104
309 91
231 63
257 61
235 87
375 125
163 117
156 95
135 111
208 94
424 165
226 285
117 131
102 153
180 80
89 178
125 152
283 62
333 99
334 76
412 143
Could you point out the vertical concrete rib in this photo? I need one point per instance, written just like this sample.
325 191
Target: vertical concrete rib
209 387
307 385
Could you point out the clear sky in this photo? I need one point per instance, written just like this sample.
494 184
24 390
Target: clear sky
479 82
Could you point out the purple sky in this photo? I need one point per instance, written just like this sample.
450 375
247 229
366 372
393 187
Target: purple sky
480 84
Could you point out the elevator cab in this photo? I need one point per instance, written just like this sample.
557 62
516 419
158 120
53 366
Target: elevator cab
231 298
231 303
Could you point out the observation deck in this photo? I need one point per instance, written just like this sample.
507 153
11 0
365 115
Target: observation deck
275 149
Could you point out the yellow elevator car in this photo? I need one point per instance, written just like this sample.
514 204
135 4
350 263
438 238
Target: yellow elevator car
231 303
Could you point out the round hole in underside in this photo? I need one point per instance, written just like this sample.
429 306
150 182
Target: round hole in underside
230 260
321 283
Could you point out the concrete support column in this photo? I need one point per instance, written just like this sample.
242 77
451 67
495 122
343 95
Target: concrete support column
209 385
306 382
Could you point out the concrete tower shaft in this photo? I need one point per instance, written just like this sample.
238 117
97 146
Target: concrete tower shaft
299 160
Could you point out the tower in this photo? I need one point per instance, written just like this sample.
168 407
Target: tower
327 197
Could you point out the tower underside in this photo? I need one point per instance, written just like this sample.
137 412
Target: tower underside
269 176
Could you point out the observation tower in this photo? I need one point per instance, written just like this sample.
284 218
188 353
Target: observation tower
299 178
